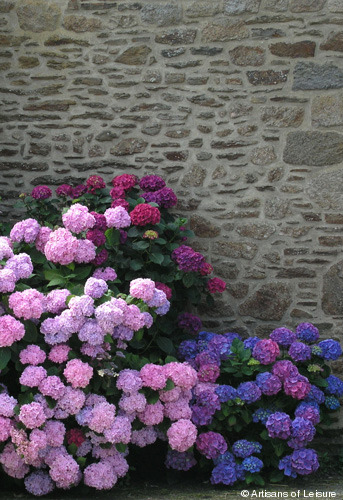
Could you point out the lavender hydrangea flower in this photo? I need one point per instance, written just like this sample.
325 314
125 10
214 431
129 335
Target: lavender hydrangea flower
304 461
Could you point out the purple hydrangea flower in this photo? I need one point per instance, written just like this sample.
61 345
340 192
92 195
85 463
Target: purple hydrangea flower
309 411
307 333
249 392
226 393
268 383
224 473
303 432
304 461
279 425
283 336
300 352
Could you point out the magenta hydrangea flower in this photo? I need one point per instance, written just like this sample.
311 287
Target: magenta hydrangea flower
216 285
266 351
298 386
153 376
268 383
64 190
151 183
78 219
32 415
95 182
11 330
182 435
26 230
189 322
211 444
78 373
284 369
117 217
27 304
61 247
41 192
95 287
126 181
96 236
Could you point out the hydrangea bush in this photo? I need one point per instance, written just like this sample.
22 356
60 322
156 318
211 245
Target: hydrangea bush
68 408
130 228
259 402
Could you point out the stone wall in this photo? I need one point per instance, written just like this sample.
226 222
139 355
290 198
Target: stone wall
238 104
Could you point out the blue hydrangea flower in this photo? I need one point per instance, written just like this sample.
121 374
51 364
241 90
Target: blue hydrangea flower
268 383
230 336
279 425
285 464
332 403
250 342
316 395
300 351
304 461
249 392
310 411
335 386
331 349
252 464
307 333
303 432
283 336
243 448
187 349
225 393
226 458
224 474
261 415
207 336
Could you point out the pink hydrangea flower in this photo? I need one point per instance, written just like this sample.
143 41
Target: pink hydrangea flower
11 330
72 401
7 280
32 376
298 386
12 463
81 306
108 316
182 374
117 217
78 219
61 247
21 265
55 432
144 437
39 483
59 353
182 435
103 415
176 410
27 304
152 414
208 373
56 300
142 288
5 428
65 471
105 273
266 351
7 404
153 376
133 318
52 386
95 287
42 238
78 373
129 381
135 402
26 230
32 415
6 251
120 431
86 252
100 476
32 355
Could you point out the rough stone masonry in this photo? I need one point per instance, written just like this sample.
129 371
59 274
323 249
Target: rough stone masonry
238 104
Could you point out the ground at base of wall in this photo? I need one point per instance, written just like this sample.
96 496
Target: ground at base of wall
314 487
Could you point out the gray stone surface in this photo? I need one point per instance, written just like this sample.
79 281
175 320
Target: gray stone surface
312 76
332 299
241 6
270 302
38 16
313 148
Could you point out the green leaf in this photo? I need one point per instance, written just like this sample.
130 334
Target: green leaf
57 281
157 258
37 257
135 264
81 461
232 420
112 237
140 245
121 447
276 476
83 273
51 274
165 344
5 356
188 280
321 382
153 398
170 359
169 385
30 332
133 231
108 338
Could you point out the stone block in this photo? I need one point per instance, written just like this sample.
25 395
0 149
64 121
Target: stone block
327 110
129 147
263 156
313 148
257 230
298 49
247 56
222 30
312 76
133 56
333 42
161 14
38 16
306 5
241 6
82 24
282 116
267 77
177 37
332 298
335 5
270 302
